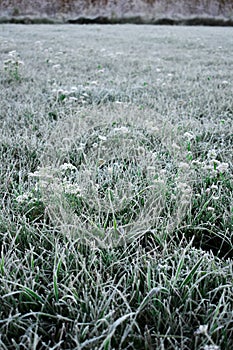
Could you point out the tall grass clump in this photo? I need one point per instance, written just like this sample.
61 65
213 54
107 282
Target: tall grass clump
116 188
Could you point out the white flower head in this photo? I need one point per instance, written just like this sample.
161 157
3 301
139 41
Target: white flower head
212 154
211 347
41 174
159 181
94 83
110 170
175 146
95 145
222 167
70 188
184 165
67 166
202 329
197 163
122 129
23 197
189 135
73 99
102 138
210 209
214 162
56 66
13 54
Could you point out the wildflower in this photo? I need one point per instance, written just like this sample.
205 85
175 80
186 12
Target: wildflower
214 163
163 172
173 197
140 151
212 154
210 209
70 188
94 83
154 128
151 170
211 347
42 185
73 99
56 66
122 129
197 163
159 181
55 187
23 197
110 170
175 146
6 62
184 203
189 135
37 174
41 173
67 166
102 138
13 53
184 165
182 186
208 167
202 329
222 167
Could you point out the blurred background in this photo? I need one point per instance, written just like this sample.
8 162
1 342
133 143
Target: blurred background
117 9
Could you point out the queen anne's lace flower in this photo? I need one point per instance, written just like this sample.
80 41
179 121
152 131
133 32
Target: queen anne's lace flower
222 167
67 166
202 329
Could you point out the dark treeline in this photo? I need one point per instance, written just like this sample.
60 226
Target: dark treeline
116 8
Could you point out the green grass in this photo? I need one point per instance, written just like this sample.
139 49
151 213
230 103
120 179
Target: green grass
116 188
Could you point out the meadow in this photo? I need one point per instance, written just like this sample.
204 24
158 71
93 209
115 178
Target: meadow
116 200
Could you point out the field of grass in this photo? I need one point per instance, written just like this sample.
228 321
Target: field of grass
116 188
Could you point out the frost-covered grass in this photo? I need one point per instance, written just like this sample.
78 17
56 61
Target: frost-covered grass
116 187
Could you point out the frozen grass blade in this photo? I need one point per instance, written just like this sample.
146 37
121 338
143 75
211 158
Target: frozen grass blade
118 322
33 295
191 274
